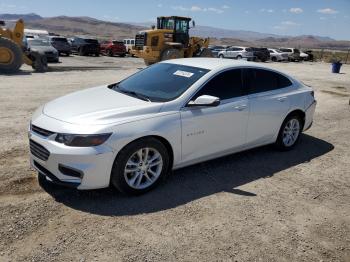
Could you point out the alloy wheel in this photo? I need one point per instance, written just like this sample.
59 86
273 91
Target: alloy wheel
143 168
291 132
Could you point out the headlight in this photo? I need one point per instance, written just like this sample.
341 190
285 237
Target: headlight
82 140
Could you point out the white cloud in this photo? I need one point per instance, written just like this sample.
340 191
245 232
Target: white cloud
8 6
327 11
267 10
323 18
225 7
289 23
198 9
285 25
296 10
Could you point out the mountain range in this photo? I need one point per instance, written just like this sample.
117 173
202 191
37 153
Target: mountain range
70 26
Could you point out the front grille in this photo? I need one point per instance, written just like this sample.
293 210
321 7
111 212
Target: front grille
41 131
38 150
140 40
49 53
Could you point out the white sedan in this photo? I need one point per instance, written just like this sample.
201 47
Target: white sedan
170 115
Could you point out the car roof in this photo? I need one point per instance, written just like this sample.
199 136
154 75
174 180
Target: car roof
213 63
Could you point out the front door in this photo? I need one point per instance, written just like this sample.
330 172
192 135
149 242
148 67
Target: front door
208 131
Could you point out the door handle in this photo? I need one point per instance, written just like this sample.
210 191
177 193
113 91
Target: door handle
282 99
240 108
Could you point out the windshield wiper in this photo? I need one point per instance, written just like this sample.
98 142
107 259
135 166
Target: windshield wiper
132 93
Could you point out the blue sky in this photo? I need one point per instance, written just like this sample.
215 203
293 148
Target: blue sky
287 17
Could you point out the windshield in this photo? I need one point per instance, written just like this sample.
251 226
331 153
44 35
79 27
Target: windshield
91 41
57 39
117 43
39 43
161 82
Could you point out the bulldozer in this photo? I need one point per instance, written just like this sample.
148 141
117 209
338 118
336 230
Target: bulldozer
169 40
13 53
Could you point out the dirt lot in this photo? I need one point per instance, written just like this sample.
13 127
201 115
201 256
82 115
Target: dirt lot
259 205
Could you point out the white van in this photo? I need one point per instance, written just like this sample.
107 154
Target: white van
129 43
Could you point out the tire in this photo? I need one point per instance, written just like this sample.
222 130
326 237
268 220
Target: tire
122 55
205 52
14 54
97 54
170 53
221 56
39 62
110 53
239 57
135 182
81 51
282 139
273 59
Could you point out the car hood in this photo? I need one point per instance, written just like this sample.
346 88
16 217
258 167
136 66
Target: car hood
43 49
99 106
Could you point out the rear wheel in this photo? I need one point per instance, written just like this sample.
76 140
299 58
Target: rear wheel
273 59
110 52
170 53
140 166
239 57
221 56
289 133
11 56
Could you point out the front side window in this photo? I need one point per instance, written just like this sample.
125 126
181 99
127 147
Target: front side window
181 26
161 82
261 80
225 85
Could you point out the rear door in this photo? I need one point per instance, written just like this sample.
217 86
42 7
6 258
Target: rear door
269 103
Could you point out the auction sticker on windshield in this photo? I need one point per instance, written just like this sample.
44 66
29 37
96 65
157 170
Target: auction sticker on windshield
183 73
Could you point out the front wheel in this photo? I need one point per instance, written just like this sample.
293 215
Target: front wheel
239 57
221 56
140 166
289 133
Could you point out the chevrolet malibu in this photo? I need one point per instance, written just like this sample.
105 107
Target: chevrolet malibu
170 115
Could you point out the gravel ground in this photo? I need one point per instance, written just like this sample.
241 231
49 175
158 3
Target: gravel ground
259 205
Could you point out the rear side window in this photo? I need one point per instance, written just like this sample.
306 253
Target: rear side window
226 85
260 80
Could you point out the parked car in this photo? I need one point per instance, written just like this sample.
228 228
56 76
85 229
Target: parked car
304 56
85 46
129 43
310 55
112 48
261 54
170 115
237 52
277 55
216 49
43 46
61 44
293 54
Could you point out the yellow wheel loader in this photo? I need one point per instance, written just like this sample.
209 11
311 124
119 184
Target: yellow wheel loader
13 53
169 40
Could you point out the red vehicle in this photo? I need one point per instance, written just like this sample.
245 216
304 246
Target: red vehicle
112 48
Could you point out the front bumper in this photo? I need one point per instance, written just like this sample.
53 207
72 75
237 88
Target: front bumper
90 166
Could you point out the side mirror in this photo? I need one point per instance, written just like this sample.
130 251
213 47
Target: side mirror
205 100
